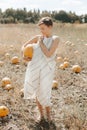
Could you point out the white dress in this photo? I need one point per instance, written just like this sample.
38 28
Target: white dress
39 74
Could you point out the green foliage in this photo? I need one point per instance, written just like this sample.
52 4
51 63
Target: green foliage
7 20
23 16
62 16
85 18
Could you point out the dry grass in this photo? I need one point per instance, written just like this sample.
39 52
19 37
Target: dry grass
69 108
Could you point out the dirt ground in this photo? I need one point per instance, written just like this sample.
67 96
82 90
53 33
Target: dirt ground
69 109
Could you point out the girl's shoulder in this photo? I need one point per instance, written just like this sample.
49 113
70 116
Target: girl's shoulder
55 37
36 36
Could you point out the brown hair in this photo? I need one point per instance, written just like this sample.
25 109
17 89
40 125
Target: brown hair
46 20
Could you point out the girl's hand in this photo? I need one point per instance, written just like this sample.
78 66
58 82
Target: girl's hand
41 39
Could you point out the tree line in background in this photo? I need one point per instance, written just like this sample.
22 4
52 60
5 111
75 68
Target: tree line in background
23 16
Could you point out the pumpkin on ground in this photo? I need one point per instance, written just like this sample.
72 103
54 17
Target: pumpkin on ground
77 52
59 59
1 63
55 84
7 55
15 60
22 92
61 67
76 68
28 51
8 87
11 46
66 59
4 111
66 64
5 81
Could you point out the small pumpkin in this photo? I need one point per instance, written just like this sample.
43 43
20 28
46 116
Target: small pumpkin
59 59
28 51
66 59
72 44
1 63
8 87
55 84
11 46
61 66
5 81
76 52
22 92
15 60
66 64
4 111
76 68
7 55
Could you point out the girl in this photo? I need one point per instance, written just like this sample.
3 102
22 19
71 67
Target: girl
40 70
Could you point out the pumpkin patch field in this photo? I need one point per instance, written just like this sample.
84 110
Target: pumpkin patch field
69 90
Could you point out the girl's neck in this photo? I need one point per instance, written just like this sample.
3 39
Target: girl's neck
49 35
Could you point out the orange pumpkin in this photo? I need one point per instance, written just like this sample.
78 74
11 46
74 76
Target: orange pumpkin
8 87
4 111
76 68
55 84
7 55
59 59
66 59
1 63
61 66
5 81
15 60
66 64
28 51
22 92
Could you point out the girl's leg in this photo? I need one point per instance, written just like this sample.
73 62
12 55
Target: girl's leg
40 109
48 109
42 121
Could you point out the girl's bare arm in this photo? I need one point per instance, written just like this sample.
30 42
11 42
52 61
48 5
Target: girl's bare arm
49 52
32 40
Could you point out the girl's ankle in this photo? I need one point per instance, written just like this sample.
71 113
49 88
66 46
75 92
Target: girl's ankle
49 119
41 116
